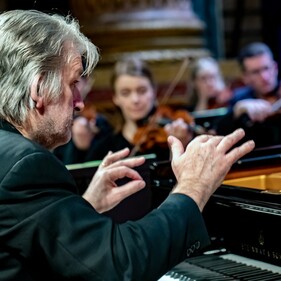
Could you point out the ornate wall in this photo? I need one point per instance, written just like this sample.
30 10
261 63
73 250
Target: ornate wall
154 30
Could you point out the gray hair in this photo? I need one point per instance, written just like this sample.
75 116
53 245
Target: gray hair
32 45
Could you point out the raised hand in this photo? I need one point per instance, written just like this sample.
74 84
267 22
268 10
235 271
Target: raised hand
103 193
201 168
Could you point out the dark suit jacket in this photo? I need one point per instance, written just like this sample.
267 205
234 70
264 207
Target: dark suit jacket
48 232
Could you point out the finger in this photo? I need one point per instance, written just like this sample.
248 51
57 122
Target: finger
238 152
128 189
168 127
119 155
180 128
179 123
116 173
215 140
176 147
176 122
129 162
230 140
202 138
105 162
113 157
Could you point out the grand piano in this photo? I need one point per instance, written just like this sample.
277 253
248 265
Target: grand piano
242 217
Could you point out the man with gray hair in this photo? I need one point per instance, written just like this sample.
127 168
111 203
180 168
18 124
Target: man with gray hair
49 232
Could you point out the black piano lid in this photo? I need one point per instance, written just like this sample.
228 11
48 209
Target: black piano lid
270 155
258 158
206 118
266 156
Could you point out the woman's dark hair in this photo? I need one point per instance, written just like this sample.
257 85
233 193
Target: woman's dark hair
132 67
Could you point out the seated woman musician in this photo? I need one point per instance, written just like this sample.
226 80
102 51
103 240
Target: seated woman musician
139 130
208 89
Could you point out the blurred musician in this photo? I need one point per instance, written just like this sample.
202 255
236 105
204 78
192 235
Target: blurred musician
208 89
135 98
255 106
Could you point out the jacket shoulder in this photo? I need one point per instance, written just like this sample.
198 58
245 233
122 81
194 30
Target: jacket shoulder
26 162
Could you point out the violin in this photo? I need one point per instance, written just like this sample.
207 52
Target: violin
152 133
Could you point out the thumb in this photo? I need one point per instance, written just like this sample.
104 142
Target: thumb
176 147
129 188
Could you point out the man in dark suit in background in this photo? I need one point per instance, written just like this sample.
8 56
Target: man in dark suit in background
49 232
256 106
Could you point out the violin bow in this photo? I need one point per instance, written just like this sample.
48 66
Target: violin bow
175 81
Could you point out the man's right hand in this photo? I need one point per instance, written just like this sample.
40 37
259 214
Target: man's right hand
201 168
103 193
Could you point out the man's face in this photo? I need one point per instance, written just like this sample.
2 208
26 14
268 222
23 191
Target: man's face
260 73
55 128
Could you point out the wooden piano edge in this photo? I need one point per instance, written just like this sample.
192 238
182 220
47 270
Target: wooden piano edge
240 173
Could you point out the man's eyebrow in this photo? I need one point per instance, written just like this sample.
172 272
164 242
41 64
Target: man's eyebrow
79 71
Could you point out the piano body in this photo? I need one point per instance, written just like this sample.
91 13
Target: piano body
242 217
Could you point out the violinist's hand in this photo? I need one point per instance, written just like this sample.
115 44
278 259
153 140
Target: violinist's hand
257 109
201 168
180 130
103 193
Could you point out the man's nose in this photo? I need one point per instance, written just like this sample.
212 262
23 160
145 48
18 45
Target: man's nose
134 97
264 75
78 103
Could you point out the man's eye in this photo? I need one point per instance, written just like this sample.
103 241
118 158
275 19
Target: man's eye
142 91
74 84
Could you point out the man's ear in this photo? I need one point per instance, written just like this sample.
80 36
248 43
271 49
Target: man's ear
34 94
